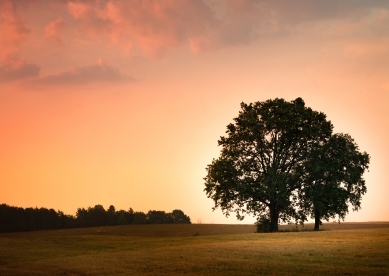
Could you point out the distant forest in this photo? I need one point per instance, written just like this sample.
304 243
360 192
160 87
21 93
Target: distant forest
17 219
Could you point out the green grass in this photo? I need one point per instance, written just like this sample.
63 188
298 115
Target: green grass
345 249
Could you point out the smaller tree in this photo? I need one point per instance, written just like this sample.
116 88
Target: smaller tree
121 218
156 217
139 218
332 178
178 216
111 215
130 216
97 216
82 217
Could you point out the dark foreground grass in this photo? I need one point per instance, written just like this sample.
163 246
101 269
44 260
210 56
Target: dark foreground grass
197 250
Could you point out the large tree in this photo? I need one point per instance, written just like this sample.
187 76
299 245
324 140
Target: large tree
258 169
332 178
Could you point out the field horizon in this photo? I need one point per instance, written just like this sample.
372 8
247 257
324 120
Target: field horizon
187 229
198 249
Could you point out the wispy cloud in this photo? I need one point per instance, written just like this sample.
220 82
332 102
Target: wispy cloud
153 28
13 32
150 27
13 68
54 29
98 71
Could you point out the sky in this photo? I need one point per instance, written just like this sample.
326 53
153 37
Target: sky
122 102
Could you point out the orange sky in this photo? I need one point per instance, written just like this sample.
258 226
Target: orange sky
122 102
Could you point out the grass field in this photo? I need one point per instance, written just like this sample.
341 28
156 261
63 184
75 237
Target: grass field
198 249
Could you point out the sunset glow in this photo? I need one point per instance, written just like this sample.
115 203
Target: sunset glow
122 102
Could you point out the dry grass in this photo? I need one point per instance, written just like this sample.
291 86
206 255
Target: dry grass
203 249
339 226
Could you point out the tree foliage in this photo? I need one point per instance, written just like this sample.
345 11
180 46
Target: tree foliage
16 219
263 161
332 179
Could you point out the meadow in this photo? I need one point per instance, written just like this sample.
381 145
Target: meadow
198 249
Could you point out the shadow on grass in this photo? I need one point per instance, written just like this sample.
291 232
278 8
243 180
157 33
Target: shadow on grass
287 230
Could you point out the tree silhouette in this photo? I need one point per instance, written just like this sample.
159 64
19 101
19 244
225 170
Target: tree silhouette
261 157
332 178
14 219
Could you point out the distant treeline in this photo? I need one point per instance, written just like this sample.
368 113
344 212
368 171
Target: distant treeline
17 219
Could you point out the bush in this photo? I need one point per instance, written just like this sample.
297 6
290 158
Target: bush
263 225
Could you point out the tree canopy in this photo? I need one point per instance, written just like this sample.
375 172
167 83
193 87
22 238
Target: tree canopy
15 219
332 178
262 168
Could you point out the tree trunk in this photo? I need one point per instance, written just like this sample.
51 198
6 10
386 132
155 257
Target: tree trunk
274 214
317 221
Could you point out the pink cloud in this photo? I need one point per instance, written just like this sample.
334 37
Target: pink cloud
154 27
151 27
13 67
54 29
246 21
242 22
89 17
98 71
13 32
79 10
